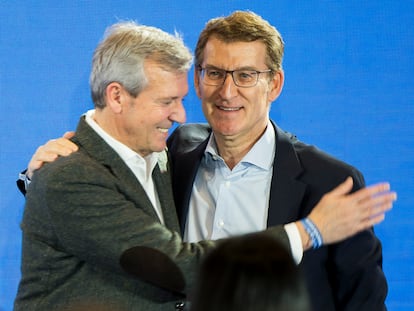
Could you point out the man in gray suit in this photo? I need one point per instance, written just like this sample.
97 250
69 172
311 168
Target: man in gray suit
100 225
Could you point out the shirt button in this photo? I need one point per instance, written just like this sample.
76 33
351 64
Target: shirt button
221 223
228 183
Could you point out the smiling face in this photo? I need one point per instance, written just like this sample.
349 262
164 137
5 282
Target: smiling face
234 112
142 122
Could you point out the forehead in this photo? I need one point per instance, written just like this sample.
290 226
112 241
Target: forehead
164 83
232 55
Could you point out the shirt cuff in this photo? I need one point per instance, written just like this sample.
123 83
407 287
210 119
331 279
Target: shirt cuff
296 248
25 179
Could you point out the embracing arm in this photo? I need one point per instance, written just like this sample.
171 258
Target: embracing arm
48 152
339 215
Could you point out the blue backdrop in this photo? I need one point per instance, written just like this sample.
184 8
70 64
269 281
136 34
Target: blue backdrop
349 90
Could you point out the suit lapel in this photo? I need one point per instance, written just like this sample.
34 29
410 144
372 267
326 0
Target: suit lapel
162 181
185 171
286 190
286 193
97 148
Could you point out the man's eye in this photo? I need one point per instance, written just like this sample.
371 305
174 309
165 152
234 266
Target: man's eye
214 74
245 75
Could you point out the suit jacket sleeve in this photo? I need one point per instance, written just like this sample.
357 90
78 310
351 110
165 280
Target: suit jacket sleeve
350 271
357 270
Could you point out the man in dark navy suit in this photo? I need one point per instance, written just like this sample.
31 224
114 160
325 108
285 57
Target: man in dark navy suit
243 173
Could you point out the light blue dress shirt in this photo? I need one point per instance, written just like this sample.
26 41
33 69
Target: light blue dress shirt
228 202
222 203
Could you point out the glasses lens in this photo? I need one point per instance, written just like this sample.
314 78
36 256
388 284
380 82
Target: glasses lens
245 77
242 77
213 76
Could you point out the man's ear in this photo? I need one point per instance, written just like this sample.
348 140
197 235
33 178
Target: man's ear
276 85
197 81
115 96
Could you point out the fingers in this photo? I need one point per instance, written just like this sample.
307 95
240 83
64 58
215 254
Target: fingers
341 214
50 151
374 221
376 207
370 191
367 206
374 200
60 146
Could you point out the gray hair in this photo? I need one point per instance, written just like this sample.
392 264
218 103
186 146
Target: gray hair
120 57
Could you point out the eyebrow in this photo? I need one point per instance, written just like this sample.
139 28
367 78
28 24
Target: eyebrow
237 68
171 97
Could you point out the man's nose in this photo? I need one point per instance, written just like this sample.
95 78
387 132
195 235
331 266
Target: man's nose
178 114
228 89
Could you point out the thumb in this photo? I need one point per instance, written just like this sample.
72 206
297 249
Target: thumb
69 134
344 187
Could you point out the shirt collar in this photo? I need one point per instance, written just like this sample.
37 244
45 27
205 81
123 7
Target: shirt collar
126 153
261 154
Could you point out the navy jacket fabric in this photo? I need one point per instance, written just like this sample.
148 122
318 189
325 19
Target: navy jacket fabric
344 276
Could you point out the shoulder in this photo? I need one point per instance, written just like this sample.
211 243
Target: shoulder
75 166
315 162
311 156
322 165
187 137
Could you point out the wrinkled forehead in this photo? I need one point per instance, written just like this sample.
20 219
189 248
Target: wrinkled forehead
233 55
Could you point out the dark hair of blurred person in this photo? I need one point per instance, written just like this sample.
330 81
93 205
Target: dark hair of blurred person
250 273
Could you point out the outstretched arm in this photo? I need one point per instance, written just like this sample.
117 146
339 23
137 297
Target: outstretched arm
341 214
338 215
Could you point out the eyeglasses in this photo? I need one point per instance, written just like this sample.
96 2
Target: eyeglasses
241 77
